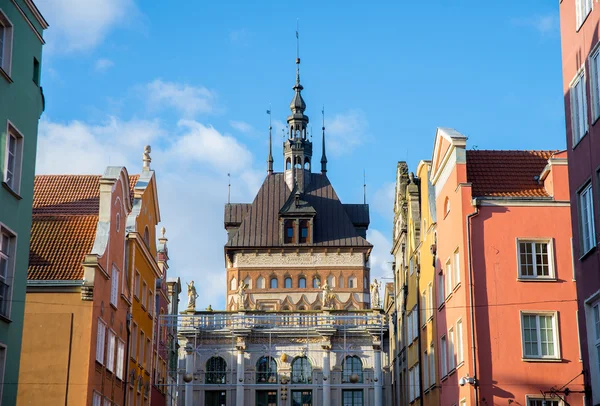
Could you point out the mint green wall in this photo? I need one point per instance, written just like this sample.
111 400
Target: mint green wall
21 103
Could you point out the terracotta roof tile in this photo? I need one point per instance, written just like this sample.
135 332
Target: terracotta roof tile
507 173
63 230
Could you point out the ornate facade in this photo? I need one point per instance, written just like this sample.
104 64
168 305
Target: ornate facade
298 328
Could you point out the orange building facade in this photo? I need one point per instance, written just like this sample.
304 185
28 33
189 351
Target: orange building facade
506 296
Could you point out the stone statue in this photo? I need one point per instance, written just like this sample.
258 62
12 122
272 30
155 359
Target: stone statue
375 295
241 291
192 295
327 295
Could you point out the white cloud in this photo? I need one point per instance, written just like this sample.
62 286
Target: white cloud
205 144
241 126
543 24
185 99
383 200
103 64
77 25
346 131
381 258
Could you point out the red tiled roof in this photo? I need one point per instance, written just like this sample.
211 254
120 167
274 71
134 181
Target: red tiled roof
507 173
65 217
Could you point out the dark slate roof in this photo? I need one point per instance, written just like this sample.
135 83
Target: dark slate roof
297 206
235 212
358 213
332 225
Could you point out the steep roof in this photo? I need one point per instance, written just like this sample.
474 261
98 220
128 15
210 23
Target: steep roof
332 225
507 173
65 217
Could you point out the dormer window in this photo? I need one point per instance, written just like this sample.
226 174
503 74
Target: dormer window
289 236
304 235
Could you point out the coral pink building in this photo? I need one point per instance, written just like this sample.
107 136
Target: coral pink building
506 295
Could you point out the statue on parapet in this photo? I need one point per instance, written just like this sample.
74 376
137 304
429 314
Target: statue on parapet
192 295
328 296
375 303
241 291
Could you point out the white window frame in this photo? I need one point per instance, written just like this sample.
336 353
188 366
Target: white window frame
120 359
110 350
456 268
595 83
459 342
417 381
430 301
415 326
423 305
555 335
114 286
550 253
13 181
411 384
137 284
448 273
8 253
548 402
425 370
96 399
578 98
107 402
431 365
100 341
441 288
142 348
134 341
6 43
150 302
443 356
587 227
451 353
583 8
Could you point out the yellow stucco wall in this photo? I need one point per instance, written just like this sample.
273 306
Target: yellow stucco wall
56 344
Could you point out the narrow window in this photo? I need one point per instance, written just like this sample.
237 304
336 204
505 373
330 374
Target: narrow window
430 300
100 337
260 282
36 71
110 348
316 282
137 284
273 283
114 286
578 108
216 368
586 219
288 283
444 357
289 232
6 33
594 62
459 342
456 268
304 232
7 243
451 355
425 371
302 283
14 154
351 369
266 370
431 365
448 278
582 9
441 283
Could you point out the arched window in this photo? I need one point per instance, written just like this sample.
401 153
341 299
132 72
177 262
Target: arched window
260 282
304 238
316 282
301 370
233 284
290 235
302 283
331 281
352 282
307 164
288 283
266 370
147 237
297 163
216 367
248 282
273 283
341 281
446 206
352 365
288 164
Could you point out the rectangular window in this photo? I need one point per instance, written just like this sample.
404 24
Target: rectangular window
137 284
114 286
423 305
144 293
107 402
14 155
535 260
289 230
459 342
409 329
415 322
142 359
7 266
417 382
425 371
411 384
542 402
429 300
451 355
110 351
586 219
579 124
431 365
582 9
594 62
411 266
134 340
2 367
304 231
100 341
596 329
150 302
148 355
36 71
97 399
456 268
120 359
6 33
444 357
449 285
441 292
539 336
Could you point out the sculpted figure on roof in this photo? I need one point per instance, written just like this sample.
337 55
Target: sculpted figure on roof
192 295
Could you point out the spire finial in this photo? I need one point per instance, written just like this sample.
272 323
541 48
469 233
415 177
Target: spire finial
146 158
324 156
229 188
365 186
270 158
297 52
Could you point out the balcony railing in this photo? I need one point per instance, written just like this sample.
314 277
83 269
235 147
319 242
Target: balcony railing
233 321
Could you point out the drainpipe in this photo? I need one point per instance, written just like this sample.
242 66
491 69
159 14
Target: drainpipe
126 366
472 300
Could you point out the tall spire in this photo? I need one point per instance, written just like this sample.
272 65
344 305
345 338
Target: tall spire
270 158
323 157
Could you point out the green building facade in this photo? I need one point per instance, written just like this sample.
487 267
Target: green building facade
21 104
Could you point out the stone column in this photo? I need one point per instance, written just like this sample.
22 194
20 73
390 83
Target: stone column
378 375
239 385
189 372
326 373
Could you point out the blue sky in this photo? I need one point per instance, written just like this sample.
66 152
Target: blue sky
195 81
